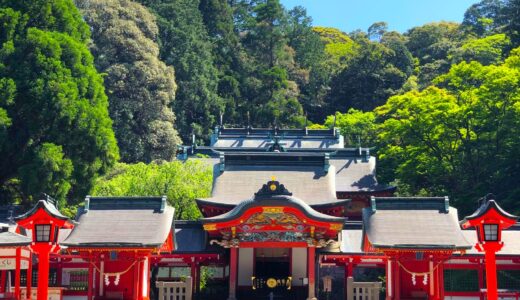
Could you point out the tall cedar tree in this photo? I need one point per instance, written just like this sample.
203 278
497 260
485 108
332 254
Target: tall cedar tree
228 57
140 87
56 135
272 94
186 46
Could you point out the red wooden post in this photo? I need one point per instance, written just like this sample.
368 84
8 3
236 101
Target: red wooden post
491 275
2 281
43 275
389 279
90 285
397 280
233 262
29 277
137 279
311 253
17 273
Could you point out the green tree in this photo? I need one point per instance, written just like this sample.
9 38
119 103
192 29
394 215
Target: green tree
229 58
181 182
185 45
511 20
56 135
313 72
431 44
140 87
377 71
484 17
376 31
486 50
272 92
339 48
359 128
459 138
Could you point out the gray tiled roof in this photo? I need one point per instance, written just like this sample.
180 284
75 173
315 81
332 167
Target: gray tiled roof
351 242
238 183
419 223
260 138
11 239
264 143
356 174
122 222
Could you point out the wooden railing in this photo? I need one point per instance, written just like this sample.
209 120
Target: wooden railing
363 290
179 290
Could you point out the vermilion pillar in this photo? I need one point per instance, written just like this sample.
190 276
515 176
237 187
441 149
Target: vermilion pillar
17 273
311 254
233 252
491 274
389 280
29 278
2 281
43 275
90 287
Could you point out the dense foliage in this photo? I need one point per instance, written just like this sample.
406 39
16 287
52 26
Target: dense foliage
140 87
180 182
439 101
55 132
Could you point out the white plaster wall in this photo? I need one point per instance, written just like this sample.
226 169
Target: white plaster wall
299 265
245 266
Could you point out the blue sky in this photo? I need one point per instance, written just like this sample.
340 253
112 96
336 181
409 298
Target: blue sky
401 15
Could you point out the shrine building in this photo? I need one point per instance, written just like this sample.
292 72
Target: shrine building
293 214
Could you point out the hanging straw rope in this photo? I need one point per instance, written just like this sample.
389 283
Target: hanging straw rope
418 273
113 273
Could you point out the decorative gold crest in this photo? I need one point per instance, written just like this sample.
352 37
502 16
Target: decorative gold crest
271 283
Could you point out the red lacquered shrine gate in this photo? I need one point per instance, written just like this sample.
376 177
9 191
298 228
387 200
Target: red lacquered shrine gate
416 235
118 238
272 219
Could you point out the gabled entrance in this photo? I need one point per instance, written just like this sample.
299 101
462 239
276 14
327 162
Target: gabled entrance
272 222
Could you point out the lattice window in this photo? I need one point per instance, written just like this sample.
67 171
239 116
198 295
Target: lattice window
509 279
461 280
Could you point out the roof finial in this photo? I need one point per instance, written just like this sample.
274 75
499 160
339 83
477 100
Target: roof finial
248 119
221 120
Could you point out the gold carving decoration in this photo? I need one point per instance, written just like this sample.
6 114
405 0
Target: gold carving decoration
272 210
273 216
210 227
336 226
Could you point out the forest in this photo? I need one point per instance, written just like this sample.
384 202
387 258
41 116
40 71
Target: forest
96 95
